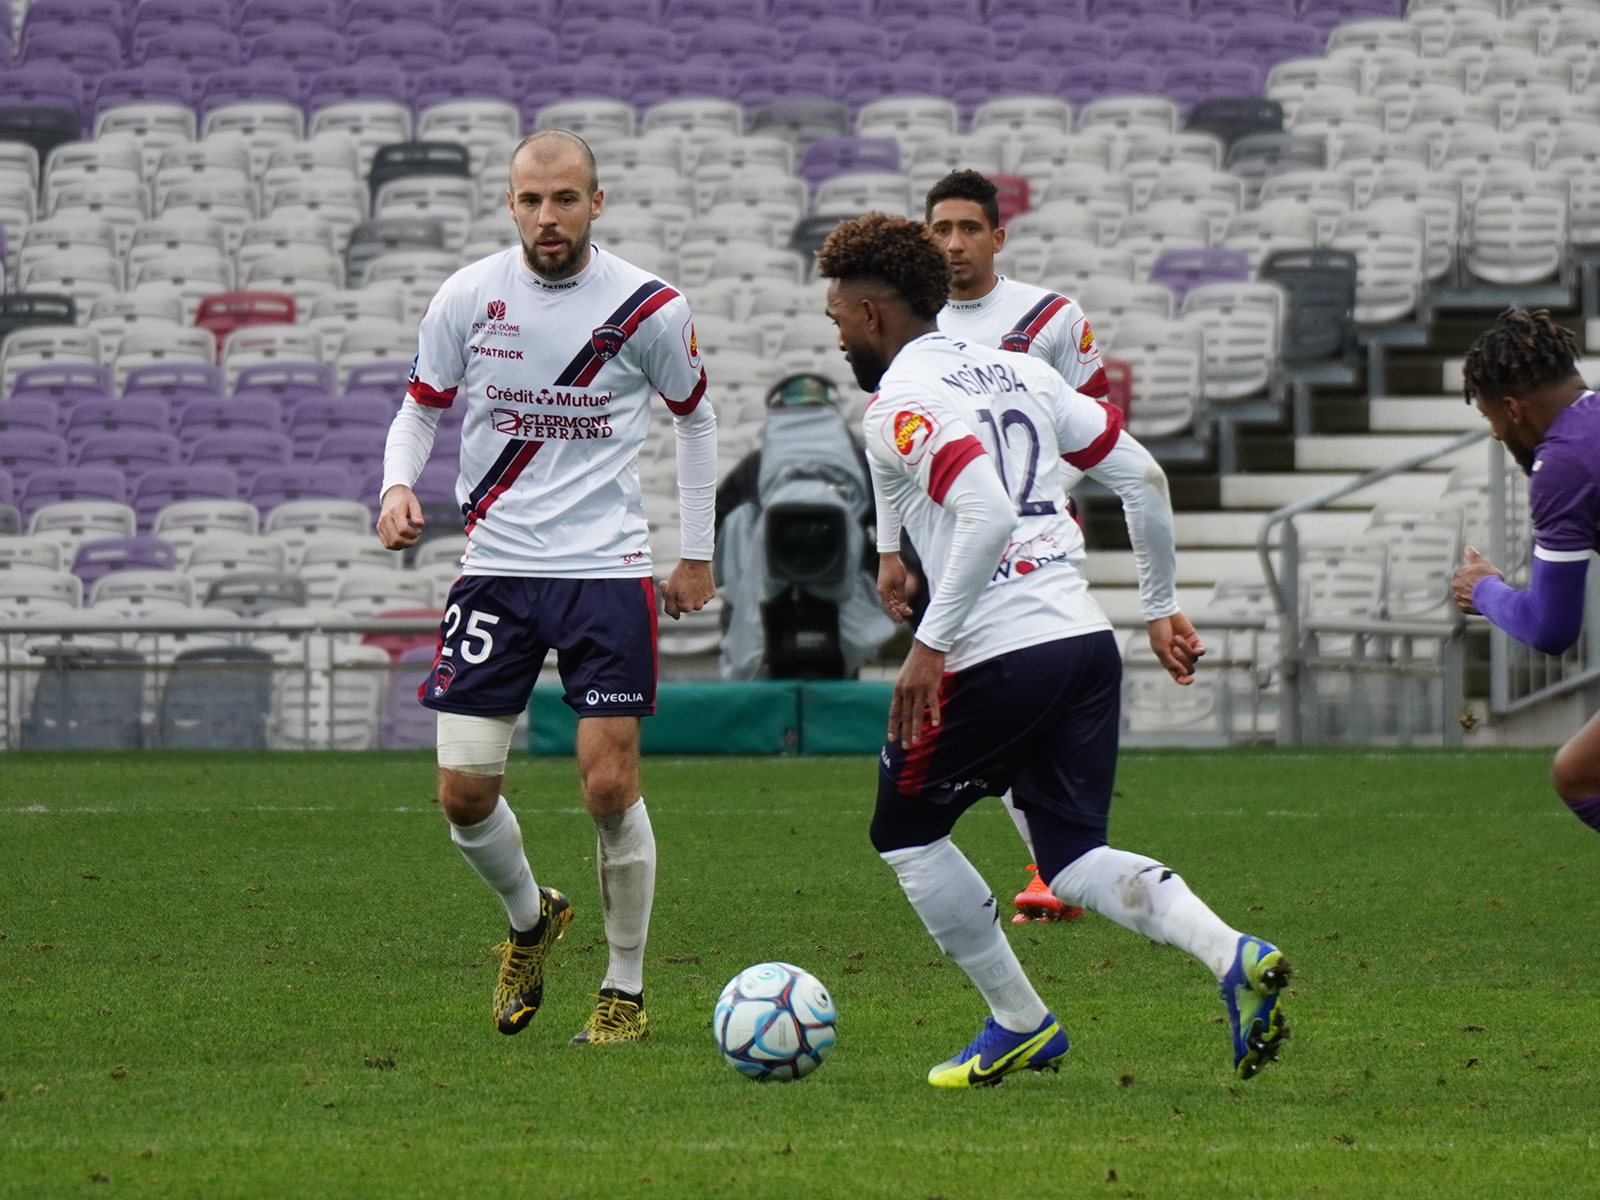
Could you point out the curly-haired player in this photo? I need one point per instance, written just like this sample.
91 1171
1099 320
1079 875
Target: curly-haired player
1014 679
1523 377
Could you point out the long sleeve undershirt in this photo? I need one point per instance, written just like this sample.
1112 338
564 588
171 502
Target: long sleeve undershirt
985 518
1548 615
1140 483
410 442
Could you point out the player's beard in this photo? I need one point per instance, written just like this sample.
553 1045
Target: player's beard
866 366
1524 454
558 266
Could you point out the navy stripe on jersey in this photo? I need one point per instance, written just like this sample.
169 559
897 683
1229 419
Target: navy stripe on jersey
502 464
588 360
1035 312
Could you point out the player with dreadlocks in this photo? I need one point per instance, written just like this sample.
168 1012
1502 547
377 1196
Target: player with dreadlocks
1523 377
1014 679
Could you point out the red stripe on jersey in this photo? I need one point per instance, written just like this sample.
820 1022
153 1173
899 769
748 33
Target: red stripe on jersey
1044 318
655 301
1096 450
919 759
948 462
503 484
682 408
1097 385
423 394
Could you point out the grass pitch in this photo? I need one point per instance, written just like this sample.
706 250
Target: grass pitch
263 976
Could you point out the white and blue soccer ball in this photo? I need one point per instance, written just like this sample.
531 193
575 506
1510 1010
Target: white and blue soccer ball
774 1021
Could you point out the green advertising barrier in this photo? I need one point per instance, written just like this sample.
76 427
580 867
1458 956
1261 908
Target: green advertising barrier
771 717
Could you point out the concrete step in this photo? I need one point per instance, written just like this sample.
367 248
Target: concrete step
1121 604
1369 452
1196 568
1423 414
1275 491
1218 530
1450 375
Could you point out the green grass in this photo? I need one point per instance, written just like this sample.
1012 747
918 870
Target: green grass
237 976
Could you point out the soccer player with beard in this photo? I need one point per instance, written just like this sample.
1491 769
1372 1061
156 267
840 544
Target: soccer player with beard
1523 377
1014 680
556 348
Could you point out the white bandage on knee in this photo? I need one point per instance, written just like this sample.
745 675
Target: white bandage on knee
474 745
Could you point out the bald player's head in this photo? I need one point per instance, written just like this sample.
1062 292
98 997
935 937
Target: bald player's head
548 147
554 194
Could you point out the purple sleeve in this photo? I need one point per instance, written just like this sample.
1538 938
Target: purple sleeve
1564 500
1548 615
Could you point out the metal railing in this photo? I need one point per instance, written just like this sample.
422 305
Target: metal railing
1383 687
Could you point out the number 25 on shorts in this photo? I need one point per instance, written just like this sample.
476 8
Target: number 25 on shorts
475 629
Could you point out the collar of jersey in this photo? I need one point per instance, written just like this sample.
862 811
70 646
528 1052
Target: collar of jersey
571 284
981 302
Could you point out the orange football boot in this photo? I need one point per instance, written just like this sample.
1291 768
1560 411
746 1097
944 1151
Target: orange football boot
1036 902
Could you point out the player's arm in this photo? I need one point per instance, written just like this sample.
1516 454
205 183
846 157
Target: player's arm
1092 439
672 365
893 580
435 377
1070 348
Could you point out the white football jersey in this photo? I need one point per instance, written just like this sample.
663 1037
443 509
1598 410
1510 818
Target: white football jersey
557 380
944 403
1030 320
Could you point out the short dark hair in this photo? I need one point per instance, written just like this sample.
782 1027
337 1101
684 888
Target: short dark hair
966 185
562 137
1524 351
893 251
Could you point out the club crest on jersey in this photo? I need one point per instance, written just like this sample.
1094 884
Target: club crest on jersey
607 341
443 674
497 310
1017 341
911 431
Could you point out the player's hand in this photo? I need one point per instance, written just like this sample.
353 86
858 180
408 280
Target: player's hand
1478 567
689 588
400 520
1177 646
916 692
895 586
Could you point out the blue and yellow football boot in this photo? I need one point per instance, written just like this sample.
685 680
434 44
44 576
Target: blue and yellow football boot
996 1052
520 989
1250 990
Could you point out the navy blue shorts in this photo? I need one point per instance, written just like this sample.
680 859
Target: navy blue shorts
1041 721
497 630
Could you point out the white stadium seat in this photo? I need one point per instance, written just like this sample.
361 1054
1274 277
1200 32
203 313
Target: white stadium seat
858 192
1389 246
1167 362
1240 325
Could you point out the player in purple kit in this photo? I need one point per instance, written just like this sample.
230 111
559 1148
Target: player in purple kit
1523 377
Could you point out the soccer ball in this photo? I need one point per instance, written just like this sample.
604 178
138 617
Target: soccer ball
774 1021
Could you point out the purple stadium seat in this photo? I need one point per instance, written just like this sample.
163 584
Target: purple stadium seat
174 13
258 81
301 45
38 416
1165 42
87 49
672 81
1266 41
105 556
1234 12
197 48
1127 14
409 45
608 10
112 416
786 81
1323 15
63 383
490 81
1008 15
970 86
357 449
316 417
628 45
388 378
8 490
909 13
321 481
282 383
1190 83
693 13
173 381
542 11
247 451
1060 43
1182 270
437 483
1088 81
132 451
945 42
40 85
806 14
827 157
735 44
843 44
157 489
59 484
362 15
143 85
25 451
481 34
862 85
203 418
257 16
362 81
103 14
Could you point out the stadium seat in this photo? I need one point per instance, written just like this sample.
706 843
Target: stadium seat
856 193
1321 287
156 491
1326 194
76 706
247 452
216 709
75 503
1518 230
1240 325
202 418
185 523
1168 363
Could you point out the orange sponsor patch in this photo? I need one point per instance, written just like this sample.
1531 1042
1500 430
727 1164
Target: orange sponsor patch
1086 342
907 425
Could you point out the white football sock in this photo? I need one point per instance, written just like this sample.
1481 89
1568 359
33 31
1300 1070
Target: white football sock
627 860
1141 894
1020 820
494 848
960 912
